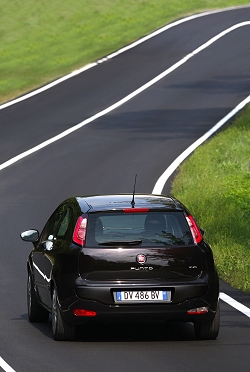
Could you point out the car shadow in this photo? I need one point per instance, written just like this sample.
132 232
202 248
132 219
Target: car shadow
126 331
135 332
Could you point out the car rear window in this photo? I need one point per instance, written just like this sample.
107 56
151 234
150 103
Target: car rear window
163 228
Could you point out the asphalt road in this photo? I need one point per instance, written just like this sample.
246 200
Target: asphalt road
142 136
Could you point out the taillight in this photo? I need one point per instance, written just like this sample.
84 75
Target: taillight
82 312
135 210
198 311
197 236
80 231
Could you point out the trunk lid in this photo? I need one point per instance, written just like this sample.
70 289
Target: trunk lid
136 244
121 264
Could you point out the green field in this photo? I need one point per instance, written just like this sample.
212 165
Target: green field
43 40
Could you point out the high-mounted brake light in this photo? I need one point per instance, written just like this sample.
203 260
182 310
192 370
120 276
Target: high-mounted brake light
80 231
135 210
197 236
82 312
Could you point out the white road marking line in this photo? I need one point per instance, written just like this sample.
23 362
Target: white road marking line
120 51
46 87
5 366
172 168
167 27
123 100
237 305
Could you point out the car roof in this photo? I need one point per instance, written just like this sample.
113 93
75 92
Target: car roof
95 203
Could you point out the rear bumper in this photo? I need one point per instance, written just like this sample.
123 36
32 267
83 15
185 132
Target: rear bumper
179 292
184 297
139 312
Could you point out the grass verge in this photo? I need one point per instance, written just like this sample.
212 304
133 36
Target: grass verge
42 40
215 184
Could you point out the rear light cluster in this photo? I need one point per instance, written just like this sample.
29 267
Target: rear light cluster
198 311
197 236
80 231
82 312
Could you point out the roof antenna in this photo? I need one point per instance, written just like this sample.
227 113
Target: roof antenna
133 200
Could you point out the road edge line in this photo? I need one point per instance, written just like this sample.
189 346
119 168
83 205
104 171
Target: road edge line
176 163
235 304
5 366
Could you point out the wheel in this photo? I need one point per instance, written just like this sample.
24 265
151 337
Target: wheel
36 312
208 330
62 330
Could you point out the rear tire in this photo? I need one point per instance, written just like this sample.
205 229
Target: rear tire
208 330
62 330
36 312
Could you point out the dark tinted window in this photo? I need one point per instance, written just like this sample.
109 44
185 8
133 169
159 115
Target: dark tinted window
58 224
163 228
65 224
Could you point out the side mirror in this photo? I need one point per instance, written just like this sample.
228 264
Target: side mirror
30 236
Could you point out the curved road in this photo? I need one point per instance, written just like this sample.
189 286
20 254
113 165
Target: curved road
143 136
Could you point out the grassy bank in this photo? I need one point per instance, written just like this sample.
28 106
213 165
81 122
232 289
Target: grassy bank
215 184
42 40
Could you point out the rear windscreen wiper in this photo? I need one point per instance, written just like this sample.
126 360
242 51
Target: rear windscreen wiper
119 243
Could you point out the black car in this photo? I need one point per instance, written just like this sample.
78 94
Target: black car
121 257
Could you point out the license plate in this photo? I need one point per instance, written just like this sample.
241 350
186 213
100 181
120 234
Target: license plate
143 296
